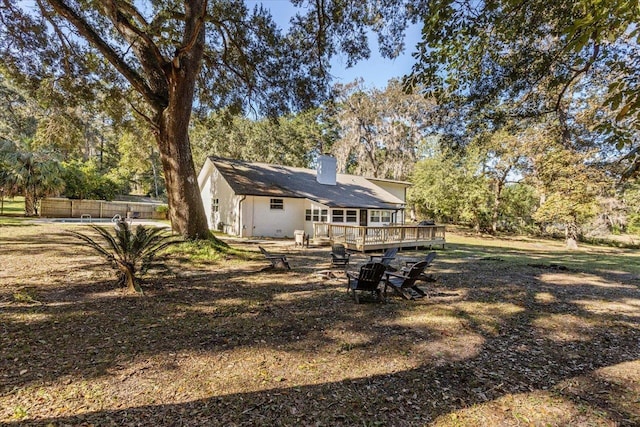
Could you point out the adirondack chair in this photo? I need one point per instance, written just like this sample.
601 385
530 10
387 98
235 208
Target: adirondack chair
428 258
276 260
386 258
339 255
404 282
368 280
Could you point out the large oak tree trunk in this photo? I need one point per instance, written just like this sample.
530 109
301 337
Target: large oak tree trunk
168 85
185 204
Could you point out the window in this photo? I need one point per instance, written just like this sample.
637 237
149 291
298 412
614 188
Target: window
380 216
352 216
337 215
315 214
215 205
277 204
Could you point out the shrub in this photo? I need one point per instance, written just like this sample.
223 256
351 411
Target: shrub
163 210
129 252
633 224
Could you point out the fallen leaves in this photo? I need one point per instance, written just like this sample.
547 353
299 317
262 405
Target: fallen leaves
495 344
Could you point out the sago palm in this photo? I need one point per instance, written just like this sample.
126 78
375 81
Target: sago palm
130 252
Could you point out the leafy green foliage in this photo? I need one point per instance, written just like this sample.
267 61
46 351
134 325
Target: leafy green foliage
164 210
36 118
293 140
83 180
18 117
451 187
519 203
139 166
569 186
539 57
35 175
633 224
131 252
165 57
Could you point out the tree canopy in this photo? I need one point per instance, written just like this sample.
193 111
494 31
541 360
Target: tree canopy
532 108
538 56
292 140
381 132
166 58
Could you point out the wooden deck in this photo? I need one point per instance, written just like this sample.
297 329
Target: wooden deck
363 239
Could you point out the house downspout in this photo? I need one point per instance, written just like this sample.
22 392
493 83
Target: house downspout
240 215
404 208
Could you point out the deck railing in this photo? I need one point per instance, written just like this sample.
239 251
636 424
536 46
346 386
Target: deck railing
363 238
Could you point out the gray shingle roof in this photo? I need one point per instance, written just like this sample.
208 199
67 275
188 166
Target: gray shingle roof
261 179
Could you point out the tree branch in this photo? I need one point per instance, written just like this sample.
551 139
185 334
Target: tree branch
190 39
321 36
577 73
150 57
63 39
631 170
146 118
109 53
129 8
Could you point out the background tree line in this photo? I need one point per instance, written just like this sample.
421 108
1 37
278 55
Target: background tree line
51 144
519 177
529 111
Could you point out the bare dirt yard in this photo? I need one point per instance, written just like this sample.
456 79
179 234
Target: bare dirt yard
514 332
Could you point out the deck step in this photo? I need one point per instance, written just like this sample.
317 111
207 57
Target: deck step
321 241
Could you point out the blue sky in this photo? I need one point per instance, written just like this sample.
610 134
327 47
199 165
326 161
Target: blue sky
376 71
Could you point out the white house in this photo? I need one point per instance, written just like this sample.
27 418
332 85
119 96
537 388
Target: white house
258 199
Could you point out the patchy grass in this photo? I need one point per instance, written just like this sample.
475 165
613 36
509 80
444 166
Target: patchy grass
8 221
207 251
515 332
12 206
550 254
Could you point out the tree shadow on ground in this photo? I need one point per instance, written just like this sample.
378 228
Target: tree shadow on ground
514 331
40 245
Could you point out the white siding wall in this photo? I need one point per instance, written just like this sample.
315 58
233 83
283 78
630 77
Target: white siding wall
227 204
246 216
260 220
205 193
397 190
